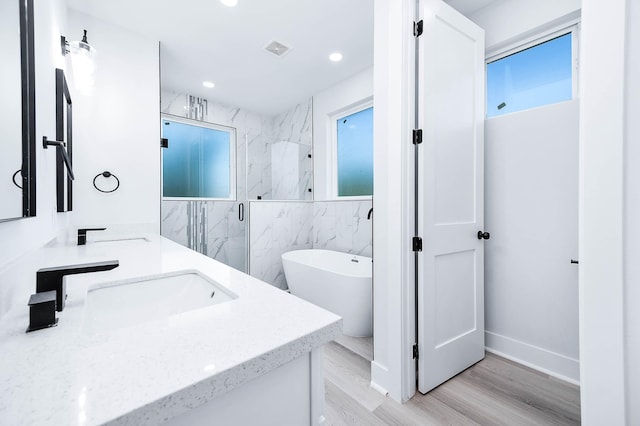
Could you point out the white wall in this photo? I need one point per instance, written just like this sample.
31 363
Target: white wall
119 103
531 317
609 269
632 213
531 210
602 232
117 128
20 236
325 104
507 21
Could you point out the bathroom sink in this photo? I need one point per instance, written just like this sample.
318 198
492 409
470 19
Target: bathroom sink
119 304
121 240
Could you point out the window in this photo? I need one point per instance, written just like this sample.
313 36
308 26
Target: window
200 160
533 77
353 146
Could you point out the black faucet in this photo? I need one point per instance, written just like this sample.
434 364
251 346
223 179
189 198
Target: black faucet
48 279
82 234
370 213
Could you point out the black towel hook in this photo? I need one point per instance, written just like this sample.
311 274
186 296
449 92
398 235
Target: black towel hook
106 174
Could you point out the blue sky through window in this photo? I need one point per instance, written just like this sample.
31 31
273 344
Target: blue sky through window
534 77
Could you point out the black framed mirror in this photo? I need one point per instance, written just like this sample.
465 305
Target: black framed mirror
17 134
64 132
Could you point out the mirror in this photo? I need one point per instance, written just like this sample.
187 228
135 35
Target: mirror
64 132
17 162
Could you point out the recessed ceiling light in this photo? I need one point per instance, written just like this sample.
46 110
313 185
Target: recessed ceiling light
335 57
208 84
229 3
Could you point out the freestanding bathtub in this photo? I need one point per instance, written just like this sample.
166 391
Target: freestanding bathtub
338 282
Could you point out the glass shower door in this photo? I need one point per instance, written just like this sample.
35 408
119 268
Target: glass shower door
204 189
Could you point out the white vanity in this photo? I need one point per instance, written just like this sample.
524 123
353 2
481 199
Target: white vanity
169 336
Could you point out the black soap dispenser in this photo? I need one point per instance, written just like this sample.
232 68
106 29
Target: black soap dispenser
42 311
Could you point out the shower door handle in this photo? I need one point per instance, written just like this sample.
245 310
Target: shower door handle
241 212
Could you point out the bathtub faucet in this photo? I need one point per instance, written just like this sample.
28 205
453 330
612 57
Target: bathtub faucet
370 213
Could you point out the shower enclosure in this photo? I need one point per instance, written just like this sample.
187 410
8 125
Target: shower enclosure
220 158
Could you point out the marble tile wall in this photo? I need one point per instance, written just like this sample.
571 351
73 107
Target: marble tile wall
277 227
177 103
291 171
279 160
258 167
343 226
293 127
174 221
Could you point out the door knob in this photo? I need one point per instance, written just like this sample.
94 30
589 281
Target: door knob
483 235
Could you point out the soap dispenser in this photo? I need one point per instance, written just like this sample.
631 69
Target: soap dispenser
42 311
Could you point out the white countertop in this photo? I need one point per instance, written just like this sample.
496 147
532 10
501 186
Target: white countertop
148 372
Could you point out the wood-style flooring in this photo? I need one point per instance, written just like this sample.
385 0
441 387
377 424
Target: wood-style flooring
362 346
495 391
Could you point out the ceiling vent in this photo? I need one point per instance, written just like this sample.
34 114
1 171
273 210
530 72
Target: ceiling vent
277 48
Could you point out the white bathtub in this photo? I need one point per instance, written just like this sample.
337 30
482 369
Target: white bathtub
338 282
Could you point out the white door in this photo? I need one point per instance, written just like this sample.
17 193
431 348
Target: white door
450 196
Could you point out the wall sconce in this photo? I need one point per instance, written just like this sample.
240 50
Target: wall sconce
82 62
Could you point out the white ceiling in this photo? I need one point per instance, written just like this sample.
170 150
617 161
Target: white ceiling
204 40
467 7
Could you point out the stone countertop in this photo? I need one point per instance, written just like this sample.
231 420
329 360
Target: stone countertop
151 371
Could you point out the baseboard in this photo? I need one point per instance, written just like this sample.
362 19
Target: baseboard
551 363
378 372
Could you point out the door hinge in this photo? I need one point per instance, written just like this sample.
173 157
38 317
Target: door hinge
417 244
164 143
417 136
416 354
417 28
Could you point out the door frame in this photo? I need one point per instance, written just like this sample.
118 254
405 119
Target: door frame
393 370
